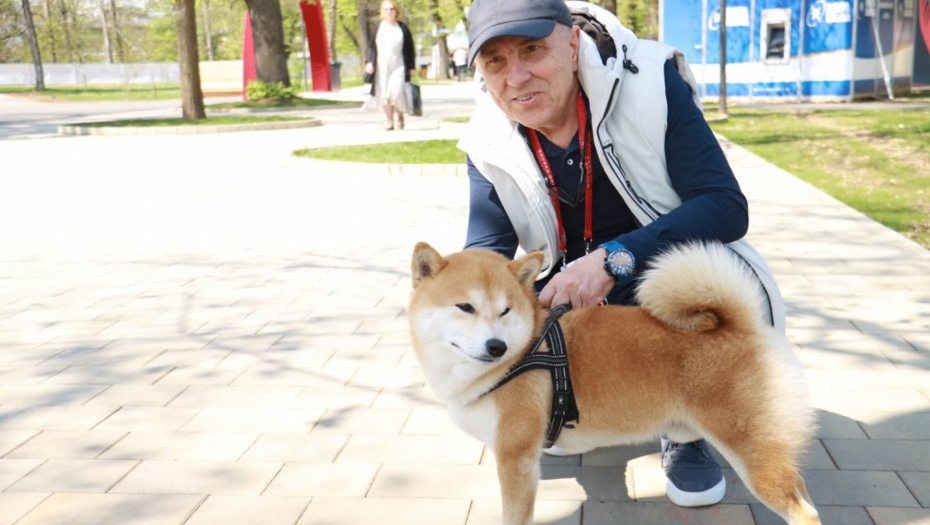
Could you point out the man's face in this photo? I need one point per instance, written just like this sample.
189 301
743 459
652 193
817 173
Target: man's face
532 79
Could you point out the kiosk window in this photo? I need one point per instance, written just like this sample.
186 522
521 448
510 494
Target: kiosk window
776 43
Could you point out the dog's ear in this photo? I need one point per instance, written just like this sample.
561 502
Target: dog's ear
426 263
527 268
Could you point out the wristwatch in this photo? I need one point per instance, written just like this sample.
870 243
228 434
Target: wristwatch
619 261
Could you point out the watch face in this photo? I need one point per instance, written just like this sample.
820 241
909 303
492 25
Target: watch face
621 263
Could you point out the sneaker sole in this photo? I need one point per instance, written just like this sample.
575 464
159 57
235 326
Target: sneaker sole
697 499
556 451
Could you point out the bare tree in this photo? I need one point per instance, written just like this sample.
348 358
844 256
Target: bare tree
34 46
119 39
69 50
106 32
191 94
442 70
206 28
51 32
723 57
268 39
332 30
363 30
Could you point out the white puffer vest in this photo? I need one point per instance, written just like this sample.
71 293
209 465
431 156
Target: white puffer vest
629 115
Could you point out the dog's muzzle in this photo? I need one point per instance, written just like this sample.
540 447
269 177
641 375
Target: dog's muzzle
495 347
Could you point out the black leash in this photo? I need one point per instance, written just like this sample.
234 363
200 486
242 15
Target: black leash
564 406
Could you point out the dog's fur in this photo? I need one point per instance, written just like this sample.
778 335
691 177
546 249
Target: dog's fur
695 360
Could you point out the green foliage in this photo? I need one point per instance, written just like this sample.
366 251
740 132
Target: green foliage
272 91
165 122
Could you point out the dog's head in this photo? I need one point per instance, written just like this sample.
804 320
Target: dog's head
472 311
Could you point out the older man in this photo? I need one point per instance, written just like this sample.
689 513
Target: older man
591 147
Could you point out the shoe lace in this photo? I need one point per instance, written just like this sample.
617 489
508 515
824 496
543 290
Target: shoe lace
685 453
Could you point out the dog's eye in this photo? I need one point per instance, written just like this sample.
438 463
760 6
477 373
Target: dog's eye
505 312
465 307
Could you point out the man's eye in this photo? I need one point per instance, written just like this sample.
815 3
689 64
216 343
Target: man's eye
505 312
465 307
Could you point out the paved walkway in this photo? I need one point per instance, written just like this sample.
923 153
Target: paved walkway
199 330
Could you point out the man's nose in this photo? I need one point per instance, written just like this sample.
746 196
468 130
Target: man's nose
496 347
519 73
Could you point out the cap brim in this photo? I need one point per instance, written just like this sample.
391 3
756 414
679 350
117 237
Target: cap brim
540 28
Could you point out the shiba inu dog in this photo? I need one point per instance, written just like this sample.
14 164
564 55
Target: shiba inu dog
695 360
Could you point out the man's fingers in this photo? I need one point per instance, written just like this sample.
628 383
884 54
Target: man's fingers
545 297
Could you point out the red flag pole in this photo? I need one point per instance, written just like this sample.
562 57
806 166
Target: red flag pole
316 42
248 56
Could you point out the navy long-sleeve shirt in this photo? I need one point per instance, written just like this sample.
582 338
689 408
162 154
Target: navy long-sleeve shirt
713 207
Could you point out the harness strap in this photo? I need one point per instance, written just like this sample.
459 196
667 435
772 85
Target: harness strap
564 407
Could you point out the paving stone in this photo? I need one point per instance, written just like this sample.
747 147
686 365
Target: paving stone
488 512
880 454
353 357
640 455
585 483
158 419
48 394
137 395
249 510
74 475
328 511
112 509
322 479
857 488
199 477
868 379
919 485
361 422
255 397
15 506
107 375
10 439
396 378
838 426
67 444
431 422
412 450
202 375
192 446
873 400
289 448
52 417
897 516
407 399
12 470
284 374
828 515
26 375
880 425
619 513
335 397
236 420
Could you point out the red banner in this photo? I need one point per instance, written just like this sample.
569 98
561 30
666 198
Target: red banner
925 21
316 41
248 56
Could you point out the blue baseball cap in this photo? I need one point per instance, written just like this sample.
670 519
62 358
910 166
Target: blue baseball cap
489 19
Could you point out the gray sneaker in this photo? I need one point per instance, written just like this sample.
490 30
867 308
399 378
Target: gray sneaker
694 477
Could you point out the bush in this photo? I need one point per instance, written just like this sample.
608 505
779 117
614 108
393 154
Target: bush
271 92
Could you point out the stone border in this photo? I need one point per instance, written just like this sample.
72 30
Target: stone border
78 129
368 168
249 111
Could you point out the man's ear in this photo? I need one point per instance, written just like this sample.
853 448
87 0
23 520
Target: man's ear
426 263
527 268
574 40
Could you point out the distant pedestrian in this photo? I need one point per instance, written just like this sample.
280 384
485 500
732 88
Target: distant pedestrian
393 43
460 60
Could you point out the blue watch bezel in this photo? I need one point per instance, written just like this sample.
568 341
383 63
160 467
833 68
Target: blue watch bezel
612 247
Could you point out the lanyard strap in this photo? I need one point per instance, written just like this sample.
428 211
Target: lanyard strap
587 173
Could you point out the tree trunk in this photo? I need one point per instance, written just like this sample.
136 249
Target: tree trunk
106 32
191 94
34 46
206 29
723 57
332 30
442 70
610 5
119 40
363 31
268 39
51 32
69 51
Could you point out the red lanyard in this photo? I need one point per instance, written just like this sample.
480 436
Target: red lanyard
584 144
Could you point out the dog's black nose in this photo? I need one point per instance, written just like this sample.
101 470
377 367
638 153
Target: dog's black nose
496 347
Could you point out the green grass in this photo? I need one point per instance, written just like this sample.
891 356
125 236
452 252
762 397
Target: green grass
98 93
878 162
457 120
422 152
294 103
212 121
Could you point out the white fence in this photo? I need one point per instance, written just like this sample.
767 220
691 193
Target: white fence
83 74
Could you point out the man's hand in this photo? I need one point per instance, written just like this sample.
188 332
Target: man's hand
585 283
413 73
369 68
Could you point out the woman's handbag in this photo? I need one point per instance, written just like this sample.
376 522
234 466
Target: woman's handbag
414 102
368 78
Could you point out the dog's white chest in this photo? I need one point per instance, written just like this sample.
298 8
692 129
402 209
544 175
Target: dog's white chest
479 419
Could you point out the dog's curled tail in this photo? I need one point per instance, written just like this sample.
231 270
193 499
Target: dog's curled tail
701 287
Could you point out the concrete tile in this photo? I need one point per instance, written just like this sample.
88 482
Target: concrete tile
857 488
109 375
289 448
407 399
26 375
879 425
157 419
10 439
190 446
137 395
48 394
882 454
73 475
67 444
872 400
868 379
395 378
254 397
619 513
427 422
12 470
237 420
335 397
837 426
15 506
202 375
281 374
52 417
112 509
893 516
361 422
249 510
488 512
327 511
228 478
322 479
352 357
641 455
828 515
919 485
585 484
412 450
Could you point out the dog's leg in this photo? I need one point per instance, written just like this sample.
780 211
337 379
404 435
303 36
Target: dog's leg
518 472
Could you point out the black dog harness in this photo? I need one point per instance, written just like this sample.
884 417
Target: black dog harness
564 407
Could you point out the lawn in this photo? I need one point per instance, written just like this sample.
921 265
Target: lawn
212 121
878 162
294 103
98 93
422 152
